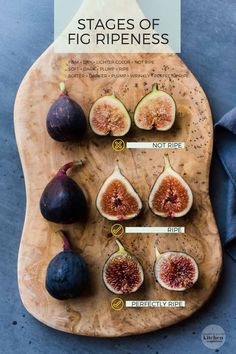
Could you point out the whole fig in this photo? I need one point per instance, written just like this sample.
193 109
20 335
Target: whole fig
63 201
66 120
67 273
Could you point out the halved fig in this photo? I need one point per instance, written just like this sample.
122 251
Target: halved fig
156 110
122 272
177 271
170 196
117 199
108 115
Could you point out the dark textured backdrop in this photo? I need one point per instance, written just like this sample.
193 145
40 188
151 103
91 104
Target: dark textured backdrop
208 48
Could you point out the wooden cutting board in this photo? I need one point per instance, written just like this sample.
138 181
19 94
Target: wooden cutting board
41 157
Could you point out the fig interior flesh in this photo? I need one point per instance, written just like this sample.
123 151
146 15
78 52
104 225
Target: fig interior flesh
117 199
156 110
108 116
175 271
67 273
170 196
66 120
122 272
62 200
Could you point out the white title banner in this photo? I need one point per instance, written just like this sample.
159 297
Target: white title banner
102 26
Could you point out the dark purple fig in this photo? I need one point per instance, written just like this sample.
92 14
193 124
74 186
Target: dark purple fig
67 273
63 201
66 119
122 272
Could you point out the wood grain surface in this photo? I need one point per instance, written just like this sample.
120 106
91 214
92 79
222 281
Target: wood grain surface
41 157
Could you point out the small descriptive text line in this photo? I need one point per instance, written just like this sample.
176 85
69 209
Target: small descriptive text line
155 303
155 145
155 230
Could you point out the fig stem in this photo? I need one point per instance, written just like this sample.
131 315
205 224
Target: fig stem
63 87
121 248
68 165
117 168
158 254
66 245
154 87
167 162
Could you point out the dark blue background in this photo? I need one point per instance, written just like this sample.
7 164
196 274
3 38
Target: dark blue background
208 48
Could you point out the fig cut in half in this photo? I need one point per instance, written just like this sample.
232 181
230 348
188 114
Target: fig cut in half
176 271
108 115
122 272
170 196
156 110
117 199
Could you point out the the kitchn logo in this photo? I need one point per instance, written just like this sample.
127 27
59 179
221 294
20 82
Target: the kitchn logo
213 336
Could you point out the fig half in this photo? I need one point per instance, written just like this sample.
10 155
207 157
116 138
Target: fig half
122 272
108 115
156 110
170 196
177 271
117 199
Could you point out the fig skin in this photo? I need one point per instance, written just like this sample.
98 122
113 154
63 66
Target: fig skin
63 201
129 281
66 120
171 287
67 273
